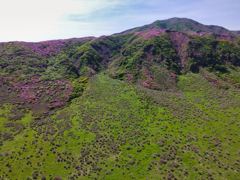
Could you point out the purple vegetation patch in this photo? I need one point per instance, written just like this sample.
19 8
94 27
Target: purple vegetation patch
149 34
34 93
129 77
112 73
215 82
174 76
44 48
148 81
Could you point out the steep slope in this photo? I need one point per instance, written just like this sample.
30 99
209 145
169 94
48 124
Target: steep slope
141 58
184 25
178 53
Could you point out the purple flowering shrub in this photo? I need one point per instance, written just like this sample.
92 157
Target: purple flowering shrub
16 58
215 82
49 48
173 75
33 93
148 80
112 73
148 34
129 77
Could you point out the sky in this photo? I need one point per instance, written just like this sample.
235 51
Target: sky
40 20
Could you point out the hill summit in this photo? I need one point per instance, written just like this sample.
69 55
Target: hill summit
184 25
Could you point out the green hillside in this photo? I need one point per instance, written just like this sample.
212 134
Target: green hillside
143 105
119 131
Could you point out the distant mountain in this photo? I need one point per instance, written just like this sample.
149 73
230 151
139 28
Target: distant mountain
184 25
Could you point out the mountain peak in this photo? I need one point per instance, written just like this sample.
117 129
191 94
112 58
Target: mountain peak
184 25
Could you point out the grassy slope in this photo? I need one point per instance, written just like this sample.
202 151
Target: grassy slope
119 131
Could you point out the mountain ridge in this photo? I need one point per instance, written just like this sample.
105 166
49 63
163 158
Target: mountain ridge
184 25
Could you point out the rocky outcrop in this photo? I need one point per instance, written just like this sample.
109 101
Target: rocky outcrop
179 41
226 38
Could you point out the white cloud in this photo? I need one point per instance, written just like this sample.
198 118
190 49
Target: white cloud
32 20
36 20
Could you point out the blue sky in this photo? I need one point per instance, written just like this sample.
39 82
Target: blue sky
35 20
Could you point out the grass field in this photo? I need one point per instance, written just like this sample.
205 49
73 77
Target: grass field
116 130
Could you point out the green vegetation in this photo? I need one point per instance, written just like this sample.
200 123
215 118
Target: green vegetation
120 107
208 56
119 131
79 85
